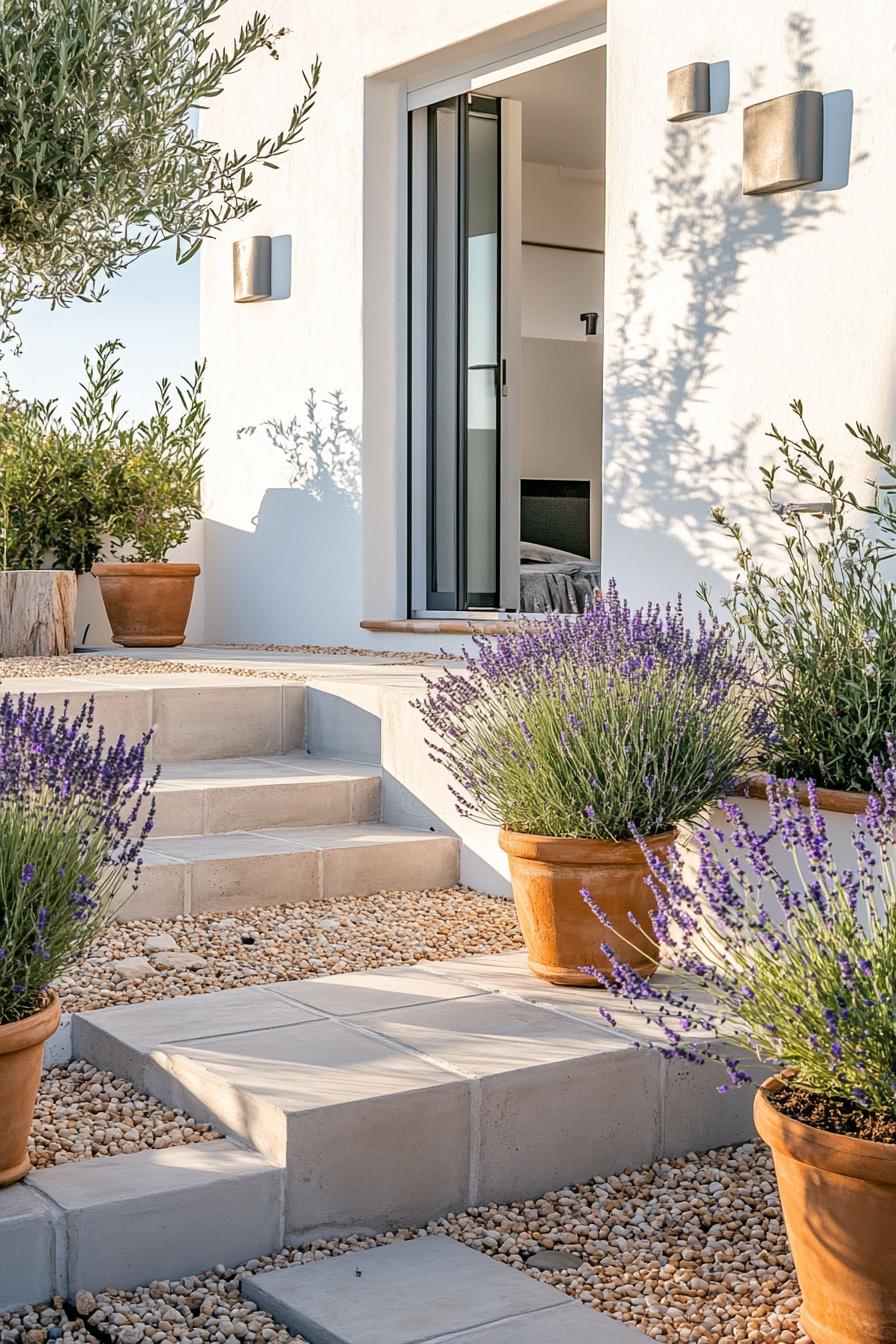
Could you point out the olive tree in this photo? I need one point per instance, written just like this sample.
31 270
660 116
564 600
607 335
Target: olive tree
100 159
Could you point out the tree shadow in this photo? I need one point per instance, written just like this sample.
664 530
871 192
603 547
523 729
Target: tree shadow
663 474
323 451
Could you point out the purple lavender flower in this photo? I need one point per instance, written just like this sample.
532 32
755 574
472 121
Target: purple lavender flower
797 948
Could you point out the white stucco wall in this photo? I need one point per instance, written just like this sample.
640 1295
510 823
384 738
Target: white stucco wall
721 307
280 564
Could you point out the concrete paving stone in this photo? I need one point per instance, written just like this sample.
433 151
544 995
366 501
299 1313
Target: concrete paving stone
371 1135
486 1034
356 992
161 892
197 722
28 1236
151 1215
127 711
571 1323
359 860
240 869
119 1038
696 1115
405 1292
563 1123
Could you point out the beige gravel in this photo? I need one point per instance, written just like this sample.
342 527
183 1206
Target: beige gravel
289 942
688 1251
102 665
340 650
83 1112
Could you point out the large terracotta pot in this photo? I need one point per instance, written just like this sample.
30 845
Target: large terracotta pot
147 604
21 1056
562 934
838 1195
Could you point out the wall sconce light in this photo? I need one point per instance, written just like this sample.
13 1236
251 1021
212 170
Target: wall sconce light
687 92
252 269
784 143
591 321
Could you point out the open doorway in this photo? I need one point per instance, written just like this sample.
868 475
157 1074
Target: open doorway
506 383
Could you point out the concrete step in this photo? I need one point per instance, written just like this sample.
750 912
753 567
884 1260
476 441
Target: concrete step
426 1291
137 1217
246 793
235 870
193 717
394 1096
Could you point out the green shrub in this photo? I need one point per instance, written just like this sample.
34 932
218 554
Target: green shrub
49 490
826 626
64 489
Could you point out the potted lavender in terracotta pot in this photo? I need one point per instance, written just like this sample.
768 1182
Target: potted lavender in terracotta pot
74 812
572 730
799 974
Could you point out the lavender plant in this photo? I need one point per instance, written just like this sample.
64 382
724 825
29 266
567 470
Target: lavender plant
795 970
582 727
75 810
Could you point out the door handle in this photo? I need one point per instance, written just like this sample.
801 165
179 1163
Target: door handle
503 377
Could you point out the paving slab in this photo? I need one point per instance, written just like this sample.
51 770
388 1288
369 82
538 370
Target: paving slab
28 1237
138 1217
120 1039
404 1293
569 1324
370 1134
356 992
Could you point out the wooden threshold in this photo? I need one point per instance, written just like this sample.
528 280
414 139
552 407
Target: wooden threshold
432 625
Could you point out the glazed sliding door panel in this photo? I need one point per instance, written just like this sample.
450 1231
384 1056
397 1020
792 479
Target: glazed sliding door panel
459 255
444 260
483 307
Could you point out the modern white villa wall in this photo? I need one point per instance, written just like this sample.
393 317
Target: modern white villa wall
719 307
722 307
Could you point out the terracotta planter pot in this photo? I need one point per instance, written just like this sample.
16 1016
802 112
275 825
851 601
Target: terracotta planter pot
21 1055
838 1195
562 934
147 604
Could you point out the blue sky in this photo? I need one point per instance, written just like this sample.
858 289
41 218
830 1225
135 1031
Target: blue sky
153 307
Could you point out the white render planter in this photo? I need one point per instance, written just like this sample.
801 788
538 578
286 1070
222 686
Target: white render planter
37 612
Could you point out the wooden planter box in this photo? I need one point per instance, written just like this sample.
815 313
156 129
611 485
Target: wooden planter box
37 612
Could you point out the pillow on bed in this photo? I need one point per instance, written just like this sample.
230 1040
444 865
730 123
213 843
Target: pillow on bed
533 554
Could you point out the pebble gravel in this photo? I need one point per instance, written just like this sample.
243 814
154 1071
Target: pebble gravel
103 665
82 1112
688 1251
195 954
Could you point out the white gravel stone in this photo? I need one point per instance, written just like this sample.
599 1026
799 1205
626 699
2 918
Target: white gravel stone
393 928
658 1251
82 1112
160 942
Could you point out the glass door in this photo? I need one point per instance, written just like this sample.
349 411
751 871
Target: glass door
460 398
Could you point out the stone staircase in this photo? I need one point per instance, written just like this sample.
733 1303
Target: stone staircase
245 815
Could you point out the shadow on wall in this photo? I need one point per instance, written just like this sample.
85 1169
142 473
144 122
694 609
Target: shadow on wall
295 577
663 476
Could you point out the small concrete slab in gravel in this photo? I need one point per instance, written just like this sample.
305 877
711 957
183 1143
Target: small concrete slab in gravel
424 1291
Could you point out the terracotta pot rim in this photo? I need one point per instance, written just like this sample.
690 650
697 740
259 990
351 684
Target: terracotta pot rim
152 569
829 800
578 850
32 1030
864 1159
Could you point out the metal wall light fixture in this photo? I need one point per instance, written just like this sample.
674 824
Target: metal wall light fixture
687 92
784 143
252 269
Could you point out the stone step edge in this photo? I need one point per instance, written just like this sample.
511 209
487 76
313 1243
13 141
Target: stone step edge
133 1218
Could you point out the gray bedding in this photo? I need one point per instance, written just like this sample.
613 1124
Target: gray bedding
552 580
